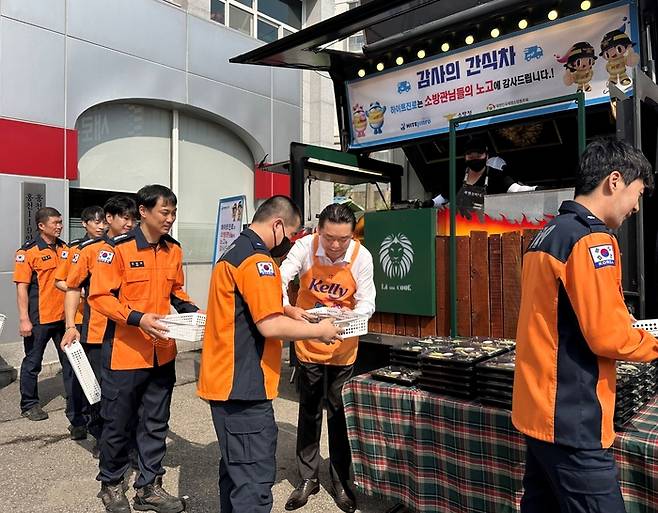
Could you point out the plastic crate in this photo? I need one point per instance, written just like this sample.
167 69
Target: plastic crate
187 319
83 372
353 325
650 325
3 318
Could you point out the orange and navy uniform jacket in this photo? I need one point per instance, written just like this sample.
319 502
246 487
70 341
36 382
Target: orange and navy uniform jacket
237 362
130 278
82 261
573 325
62 271
35 265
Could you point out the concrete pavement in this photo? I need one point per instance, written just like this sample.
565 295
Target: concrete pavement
42 471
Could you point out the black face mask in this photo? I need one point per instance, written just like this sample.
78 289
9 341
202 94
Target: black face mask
281 249
476 165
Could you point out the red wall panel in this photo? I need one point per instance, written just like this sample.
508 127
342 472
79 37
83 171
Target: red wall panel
31 149
267 184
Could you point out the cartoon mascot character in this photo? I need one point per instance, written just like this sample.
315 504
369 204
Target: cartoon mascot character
617 49
579 62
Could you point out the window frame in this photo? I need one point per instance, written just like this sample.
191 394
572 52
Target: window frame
256 15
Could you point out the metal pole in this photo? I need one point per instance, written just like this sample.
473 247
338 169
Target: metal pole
582 135
453 228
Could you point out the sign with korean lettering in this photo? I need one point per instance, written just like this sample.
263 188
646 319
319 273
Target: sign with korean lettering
403 247
580 53
230 217
33 197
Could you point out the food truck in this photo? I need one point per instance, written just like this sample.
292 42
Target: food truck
536 80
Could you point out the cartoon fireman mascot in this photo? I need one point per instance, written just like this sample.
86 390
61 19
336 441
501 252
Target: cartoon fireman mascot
376 117
579 61
359 120
617 49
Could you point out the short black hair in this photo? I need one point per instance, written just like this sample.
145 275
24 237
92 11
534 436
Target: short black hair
476 144
150 194
43 214
337 213
605 155
279 206
93 213
120 205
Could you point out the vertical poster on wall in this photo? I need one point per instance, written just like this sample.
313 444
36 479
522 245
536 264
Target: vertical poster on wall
33 197
231 215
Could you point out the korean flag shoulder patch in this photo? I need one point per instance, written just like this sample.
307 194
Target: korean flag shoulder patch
265 268
105 257
602 256
75 258
20 258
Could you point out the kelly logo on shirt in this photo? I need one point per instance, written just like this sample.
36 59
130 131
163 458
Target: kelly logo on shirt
333 290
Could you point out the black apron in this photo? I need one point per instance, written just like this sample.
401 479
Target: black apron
470 198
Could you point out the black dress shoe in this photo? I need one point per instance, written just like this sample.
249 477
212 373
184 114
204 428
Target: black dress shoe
299 496
343 497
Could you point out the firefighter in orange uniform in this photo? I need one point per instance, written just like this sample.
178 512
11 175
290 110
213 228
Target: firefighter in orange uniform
241 356
119 214
134 283
336 271
93 221
40 308
573 326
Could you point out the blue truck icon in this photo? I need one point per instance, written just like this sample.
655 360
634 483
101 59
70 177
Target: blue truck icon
533 52
404 87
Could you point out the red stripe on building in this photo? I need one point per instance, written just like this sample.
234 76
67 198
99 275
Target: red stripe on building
31 149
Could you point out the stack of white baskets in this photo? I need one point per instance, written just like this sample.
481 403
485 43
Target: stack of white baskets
351 324
188 326
3 318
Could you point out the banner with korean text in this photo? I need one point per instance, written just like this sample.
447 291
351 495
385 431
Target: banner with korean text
230 217
584 52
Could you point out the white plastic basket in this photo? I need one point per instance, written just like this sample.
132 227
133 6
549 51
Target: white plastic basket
3 318
83 372
189 326
352 324
650 325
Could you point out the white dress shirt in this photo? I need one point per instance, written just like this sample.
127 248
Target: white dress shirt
300 260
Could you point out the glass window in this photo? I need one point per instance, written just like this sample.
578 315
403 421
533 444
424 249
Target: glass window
217 11
355 43
287 32
248 3
241 20
267 32
286 11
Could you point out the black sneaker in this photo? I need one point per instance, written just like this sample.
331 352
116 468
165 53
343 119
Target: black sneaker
114 498
35 413
78 432
134 459
153 497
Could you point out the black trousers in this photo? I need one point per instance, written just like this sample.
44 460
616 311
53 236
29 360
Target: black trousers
34 347
145 395
561 479
246 432
93 411
319 382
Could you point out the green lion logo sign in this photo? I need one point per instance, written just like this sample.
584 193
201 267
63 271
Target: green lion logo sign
396 254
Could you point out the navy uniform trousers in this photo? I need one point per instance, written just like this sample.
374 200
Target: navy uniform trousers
247 433
34 347
561 479
126 395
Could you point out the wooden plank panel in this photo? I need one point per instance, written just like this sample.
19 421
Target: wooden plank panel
511 244
427 326
528 235
411 328
400 328
442 288
463 286
496 285
388 323
480 284
375 323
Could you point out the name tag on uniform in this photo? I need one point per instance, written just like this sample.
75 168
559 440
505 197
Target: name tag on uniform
136 264
265 269
46 257
603 255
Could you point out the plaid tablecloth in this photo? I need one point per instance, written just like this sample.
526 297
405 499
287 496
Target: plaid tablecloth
442 455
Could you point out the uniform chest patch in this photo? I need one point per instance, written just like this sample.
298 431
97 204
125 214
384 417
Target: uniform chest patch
46 257
75 258
105 257
602 256
20 258
265 268
64 255
136 264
